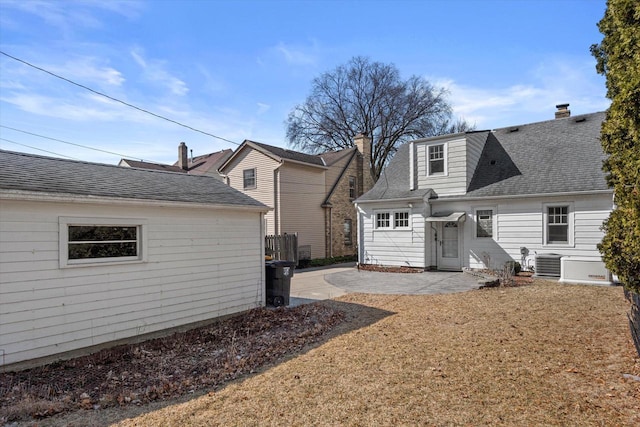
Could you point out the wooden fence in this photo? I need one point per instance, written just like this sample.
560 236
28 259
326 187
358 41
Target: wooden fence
634 317
282 247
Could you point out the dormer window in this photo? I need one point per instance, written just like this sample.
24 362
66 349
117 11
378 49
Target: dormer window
436 159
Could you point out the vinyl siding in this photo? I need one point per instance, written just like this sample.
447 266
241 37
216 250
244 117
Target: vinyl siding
265 190
392 247
201 264
520 223
302 193
455 181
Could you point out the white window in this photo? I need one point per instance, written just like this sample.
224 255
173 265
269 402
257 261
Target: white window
348 238
249 178
558 224
383 220
484 223
392 220
87 241
401 219
436 159
352 187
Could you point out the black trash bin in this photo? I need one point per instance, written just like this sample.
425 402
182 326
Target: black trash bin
278 283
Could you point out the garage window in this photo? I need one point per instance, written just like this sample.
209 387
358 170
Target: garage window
86 241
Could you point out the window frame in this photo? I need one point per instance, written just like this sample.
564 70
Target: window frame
347 241
63 241
570 225
392 219
353 187
476 214
444 159
244 179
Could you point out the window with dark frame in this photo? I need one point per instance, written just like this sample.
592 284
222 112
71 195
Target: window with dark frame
436 159
484 223
352 187
348 238
102 241
558 224
249 178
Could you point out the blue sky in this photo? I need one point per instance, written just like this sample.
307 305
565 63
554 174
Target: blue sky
235 69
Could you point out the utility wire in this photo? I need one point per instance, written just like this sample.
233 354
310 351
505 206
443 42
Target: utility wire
117 100
39 149
66 142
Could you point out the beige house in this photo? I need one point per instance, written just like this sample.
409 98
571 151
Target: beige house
311 195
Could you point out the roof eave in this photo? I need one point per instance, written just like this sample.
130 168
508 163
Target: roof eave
41 196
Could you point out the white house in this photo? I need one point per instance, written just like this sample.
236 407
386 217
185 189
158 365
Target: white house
93 254
528 193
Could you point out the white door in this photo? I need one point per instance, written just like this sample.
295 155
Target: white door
449 246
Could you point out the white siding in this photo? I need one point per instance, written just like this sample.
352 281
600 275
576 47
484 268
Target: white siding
520 223
202 264
302 192
264 192
392 247
455 181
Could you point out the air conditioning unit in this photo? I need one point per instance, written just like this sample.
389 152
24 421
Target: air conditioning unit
548 265
585 270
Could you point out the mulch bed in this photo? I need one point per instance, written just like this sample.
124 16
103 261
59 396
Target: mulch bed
166 367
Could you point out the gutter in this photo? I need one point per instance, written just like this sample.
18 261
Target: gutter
36 196
520 196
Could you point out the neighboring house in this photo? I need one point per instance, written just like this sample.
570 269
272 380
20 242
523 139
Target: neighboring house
206 164
93 254
311 195
479 199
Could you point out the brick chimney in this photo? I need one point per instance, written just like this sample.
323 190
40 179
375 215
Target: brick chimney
183 157
363 145
563 111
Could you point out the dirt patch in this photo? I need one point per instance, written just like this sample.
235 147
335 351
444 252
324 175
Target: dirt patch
159 369
389 269
543 354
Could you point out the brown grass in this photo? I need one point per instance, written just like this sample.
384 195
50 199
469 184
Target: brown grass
545 354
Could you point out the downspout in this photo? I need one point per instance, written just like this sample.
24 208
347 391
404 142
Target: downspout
276 205
330 233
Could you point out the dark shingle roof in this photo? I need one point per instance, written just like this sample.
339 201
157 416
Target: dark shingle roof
555 156
394 180
28 172
290 154
153 166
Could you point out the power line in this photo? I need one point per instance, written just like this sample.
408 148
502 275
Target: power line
117 100
65 142
39 149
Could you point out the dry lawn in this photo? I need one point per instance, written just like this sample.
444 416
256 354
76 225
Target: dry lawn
545 354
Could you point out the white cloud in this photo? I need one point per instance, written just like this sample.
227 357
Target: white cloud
263 108
68 15
154 71
297 55
533 99
87 70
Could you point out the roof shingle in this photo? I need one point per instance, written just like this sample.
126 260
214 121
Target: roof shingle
28 172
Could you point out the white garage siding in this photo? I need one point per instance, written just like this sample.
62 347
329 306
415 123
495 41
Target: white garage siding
201 263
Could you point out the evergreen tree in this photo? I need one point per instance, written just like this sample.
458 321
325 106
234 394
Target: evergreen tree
618 57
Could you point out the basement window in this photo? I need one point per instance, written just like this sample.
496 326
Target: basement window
91 241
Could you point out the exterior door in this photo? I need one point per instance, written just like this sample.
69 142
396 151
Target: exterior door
449 246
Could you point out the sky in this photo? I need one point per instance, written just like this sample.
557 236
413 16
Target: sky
234 70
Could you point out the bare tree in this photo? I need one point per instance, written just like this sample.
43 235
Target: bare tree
369 97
